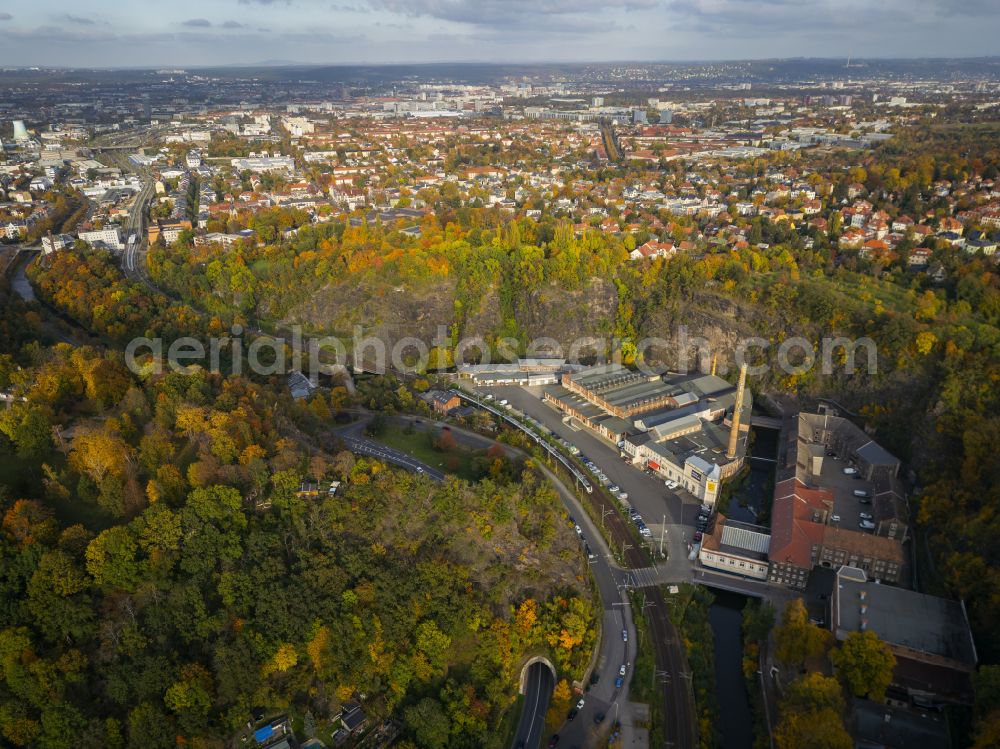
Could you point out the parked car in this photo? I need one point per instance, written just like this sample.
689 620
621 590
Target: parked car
672 484
624 635
865 516
864 500
504 402
835 518
850 471
579 530
618 682
579 705
861 493
614 488
866 525
645 532
621 671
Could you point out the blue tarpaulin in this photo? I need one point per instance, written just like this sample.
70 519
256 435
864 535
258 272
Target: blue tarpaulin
262 734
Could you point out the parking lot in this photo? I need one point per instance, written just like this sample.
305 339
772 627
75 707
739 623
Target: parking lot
846 505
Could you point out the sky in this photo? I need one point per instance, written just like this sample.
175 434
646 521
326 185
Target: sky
191 33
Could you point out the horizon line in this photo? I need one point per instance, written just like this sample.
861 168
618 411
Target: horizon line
497 63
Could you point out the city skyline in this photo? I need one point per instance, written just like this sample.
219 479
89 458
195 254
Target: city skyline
99 33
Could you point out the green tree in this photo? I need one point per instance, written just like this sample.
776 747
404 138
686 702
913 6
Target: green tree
428 723
864 663
111 558
29 427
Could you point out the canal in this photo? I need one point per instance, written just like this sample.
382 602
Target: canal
751 501
736 720
750 504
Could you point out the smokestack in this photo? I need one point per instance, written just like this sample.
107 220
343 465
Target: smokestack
734 433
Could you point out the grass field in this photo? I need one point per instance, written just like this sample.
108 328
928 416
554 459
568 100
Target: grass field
420 445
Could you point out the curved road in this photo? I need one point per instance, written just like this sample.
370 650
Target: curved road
603 698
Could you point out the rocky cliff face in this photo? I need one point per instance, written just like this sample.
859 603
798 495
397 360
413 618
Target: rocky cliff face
393 312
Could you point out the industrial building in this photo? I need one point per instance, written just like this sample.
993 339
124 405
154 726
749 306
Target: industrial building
837 501
523 372
736 547
691 429
930 637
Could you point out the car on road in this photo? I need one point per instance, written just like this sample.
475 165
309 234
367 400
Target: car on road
621 671
865 516
624 635
850 471
861 493
866 525
579 705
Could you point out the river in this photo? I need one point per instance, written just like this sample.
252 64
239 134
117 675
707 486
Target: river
735 716
19 281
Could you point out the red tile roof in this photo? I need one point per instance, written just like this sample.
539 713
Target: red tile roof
793 532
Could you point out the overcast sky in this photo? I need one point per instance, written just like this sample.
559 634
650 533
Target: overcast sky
207 32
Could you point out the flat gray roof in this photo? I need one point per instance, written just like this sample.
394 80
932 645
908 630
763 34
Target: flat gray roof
901 617
874 454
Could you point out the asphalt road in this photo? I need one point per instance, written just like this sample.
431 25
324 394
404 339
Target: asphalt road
377 450
537 694
602 698
653 501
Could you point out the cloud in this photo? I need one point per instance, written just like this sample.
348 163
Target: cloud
77 19
265 2
817 17
555 14
232 25
197 23
5 16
